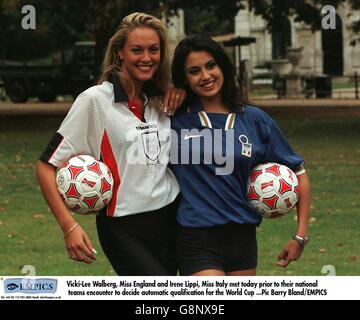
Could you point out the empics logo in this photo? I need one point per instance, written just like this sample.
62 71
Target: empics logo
11 286
30 286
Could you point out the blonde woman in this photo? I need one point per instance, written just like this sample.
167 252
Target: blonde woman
119 122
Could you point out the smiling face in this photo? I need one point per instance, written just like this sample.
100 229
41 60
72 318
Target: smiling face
203 75
141 54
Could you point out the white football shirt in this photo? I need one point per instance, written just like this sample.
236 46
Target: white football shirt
100 124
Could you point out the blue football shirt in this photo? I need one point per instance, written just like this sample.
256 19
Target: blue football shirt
212 155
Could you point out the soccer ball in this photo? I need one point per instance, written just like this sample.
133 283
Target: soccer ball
273 189
85 184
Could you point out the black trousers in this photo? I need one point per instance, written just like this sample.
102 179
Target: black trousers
229 247
142 244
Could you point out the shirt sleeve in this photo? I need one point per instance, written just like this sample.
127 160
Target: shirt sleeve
278 149
79 133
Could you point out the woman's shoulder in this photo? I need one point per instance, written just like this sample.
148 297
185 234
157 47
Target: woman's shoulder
95 98
253 110
256 113
103 90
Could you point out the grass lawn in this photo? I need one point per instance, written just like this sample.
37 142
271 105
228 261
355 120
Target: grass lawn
346 85
29 234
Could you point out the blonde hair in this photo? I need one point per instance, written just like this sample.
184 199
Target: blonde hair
112 62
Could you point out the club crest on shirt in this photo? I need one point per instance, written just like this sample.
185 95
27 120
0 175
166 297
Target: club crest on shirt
246 147
151 146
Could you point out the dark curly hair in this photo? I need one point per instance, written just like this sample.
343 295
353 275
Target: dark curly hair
201 42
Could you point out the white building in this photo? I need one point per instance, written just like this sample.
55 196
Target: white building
324 51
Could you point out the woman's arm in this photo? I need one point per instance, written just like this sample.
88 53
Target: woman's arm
173 99
293 249
78 245
303 205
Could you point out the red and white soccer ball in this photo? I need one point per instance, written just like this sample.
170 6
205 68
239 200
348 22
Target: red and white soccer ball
85 184
273 189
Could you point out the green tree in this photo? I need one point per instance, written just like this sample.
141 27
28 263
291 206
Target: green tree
303 10
307 11
199 20
60 23
56 28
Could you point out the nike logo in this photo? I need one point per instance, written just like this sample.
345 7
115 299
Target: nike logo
189 136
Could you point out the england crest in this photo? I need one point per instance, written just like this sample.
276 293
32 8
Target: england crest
151 146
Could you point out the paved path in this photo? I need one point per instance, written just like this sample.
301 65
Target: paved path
9 108
327 103
307 106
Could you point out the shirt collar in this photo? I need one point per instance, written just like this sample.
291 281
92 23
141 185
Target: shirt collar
150 88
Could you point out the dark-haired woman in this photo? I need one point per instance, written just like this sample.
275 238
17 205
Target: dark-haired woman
216 142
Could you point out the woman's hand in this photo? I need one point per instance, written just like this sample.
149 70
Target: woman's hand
173 99
291 252
293 249
79 246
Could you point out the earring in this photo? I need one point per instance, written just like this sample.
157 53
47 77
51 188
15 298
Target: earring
121 59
